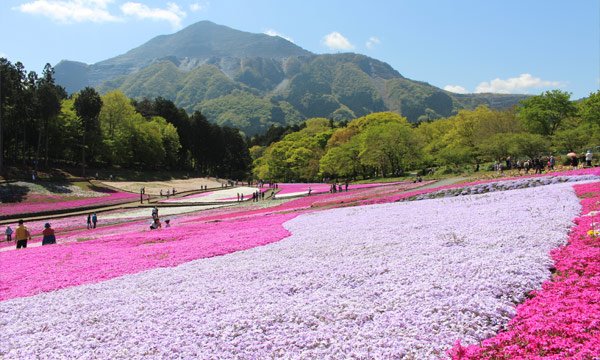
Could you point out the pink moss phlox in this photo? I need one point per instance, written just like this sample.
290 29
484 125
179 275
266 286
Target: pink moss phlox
49 268
562 319
36 207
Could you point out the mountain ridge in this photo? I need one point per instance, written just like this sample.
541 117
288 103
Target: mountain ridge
267 80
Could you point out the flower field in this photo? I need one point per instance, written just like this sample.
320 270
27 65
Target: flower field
287 190
483 270
37 198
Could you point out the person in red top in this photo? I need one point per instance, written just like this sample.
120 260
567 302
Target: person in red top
48 233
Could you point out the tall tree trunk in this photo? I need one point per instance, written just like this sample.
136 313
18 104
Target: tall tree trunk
1 132
24 147
46 145
37 150
83 155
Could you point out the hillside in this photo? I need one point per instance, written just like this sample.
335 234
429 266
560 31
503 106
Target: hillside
252 81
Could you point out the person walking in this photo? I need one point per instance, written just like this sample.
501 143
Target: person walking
89 221
94 219
588 158
551 162
48 235
8 233
22 234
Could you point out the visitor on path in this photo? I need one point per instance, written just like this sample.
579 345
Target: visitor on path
89 221
346 185
161 193
173 192
154 213
8 233
309 190
94 219
574 162
168 223
588 158
22 234
155 224
551 162
48 233
238 197
262 195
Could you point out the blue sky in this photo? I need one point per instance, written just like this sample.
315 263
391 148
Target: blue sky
504 46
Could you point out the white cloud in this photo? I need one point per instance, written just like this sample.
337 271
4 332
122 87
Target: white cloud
456 89
515 85
337 41
70 11
272 32
373 40
172 13
195 7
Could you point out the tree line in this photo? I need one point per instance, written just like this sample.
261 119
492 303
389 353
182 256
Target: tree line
40 123
386 144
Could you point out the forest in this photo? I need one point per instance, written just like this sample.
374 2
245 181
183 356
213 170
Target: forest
41 126
385 144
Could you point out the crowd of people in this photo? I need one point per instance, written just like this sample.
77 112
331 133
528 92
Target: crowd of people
256 196
337 187
539 164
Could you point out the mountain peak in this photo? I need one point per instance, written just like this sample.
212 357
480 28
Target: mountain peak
205 39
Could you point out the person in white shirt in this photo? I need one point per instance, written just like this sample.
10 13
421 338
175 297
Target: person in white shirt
588 158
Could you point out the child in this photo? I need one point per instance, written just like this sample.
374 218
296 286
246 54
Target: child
156 224
8 232
168 223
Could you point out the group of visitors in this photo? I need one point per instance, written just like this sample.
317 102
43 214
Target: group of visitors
338 187
156 224
92 219
539 164
22 234
167 193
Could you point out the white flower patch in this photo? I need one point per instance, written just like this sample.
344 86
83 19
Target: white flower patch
163 211
290 195
401 280
56 189
505 185
225 195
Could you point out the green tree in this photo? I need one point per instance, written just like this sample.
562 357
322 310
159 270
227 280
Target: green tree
530 145
87 106
389 148
590 108
544 114
48 99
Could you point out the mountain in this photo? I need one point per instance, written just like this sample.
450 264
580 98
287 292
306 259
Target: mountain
252 81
